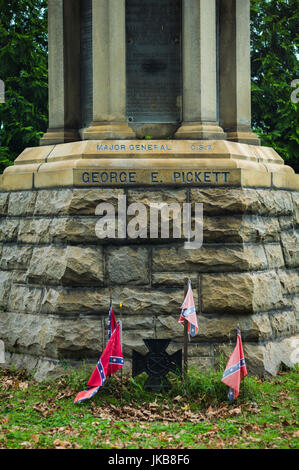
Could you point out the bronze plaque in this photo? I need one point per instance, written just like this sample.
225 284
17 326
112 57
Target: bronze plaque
154 71
86 63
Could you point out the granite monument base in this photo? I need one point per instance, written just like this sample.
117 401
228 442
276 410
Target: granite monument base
56 274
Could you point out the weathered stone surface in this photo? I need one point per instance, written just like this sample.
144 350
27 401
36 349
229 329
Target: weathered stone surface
74 230
286 223
9 230
216 329
25 299
283 324
240 201
277 352
296 309
22 203
128 265
55 202
241 293
85 201
42 368
3 203
15 257
173 279
264 359
5 286
72 265
260 229
295 197
34 231
67 318
290 246
136 301
289 281
52 336
274 256
148 197
238 229
210 258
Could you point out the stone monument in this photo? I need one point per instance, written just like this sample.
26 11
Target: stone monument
149 102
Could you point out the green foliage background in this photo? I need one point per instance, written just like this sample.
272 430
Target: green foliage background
24 70
275 54
23 67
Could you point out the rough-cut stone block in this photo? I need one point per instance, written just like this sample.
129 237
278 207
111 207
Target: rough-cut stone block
52 336
278 352
75 301
290 246
274 256
128 265
42 368
9 230
173 279
72 265
22 203
4 197
74 230
55 202
295 197
240 201
289 281
241 293
238 229
143 301
25 299
162 195
283 324
210 258
34 231
136 301
5 286
85 201
15 257
286 223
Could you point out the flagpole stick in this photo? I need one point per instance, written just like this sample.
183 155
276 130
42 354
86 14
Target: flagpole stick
185 372
121 322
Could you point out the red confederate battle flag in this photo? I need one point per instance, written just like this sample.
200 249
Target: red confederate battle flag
110 361
235 369
189 313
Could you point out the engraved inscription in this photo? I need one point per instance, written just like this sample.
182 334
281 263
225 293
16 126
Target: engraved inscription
86 63
153 31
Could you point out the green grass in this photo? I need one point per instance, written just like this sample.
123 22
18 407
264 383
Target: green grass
194 414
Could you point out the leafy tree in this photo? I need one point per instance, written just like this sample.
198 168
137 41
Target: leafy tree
275 53
23 68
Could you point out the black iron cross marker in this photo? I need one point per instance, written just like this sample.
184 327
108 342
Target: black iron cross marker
157 363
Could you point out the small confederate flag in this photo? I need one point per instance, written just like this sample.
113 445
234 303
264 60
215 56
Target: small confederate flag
113 366
112 356
189 313
235 369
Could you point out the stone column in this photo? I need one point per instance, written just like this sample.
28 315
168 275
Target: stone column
64 72
235 73
199 72
109 72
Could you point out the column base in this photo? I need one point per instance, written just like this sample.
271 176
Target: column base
59 136
201 131
244 138
104 131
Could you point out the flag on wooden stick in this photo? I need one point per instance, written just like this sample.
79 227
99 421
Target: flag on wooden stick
235 369
112 357
188 312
